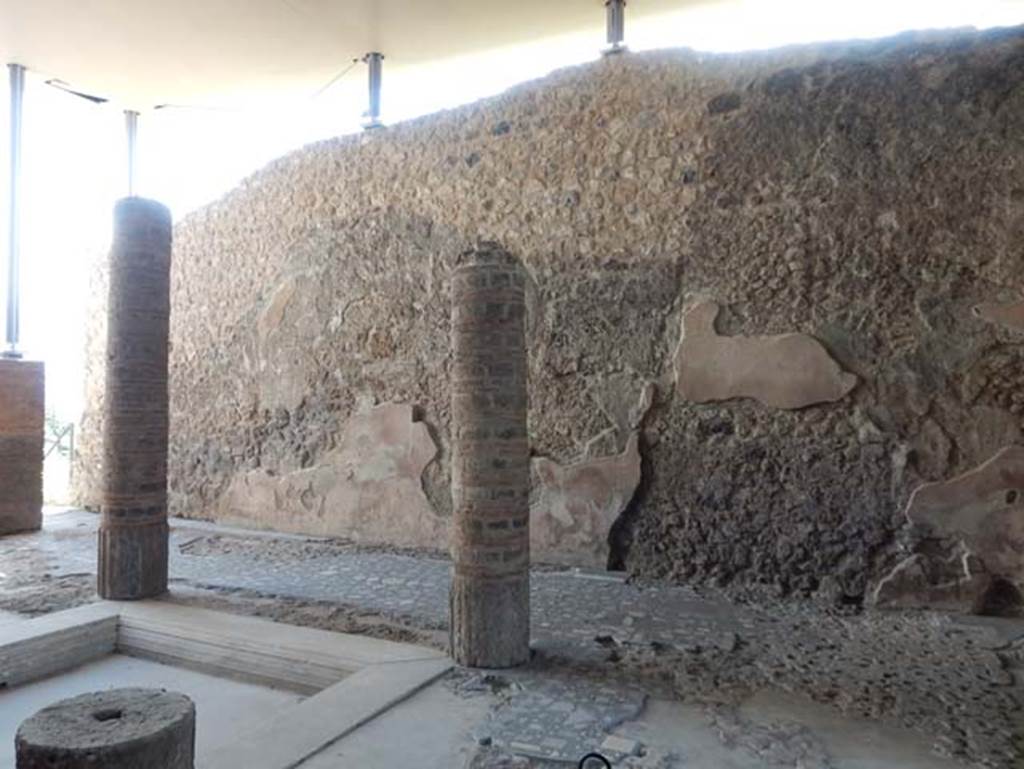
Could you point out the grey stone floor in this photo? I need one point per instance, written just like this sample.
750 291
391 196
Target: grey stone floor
565 605
604 648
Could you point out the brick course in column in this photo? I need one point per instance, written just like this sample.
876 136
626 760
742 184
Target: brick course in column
490 593
22 398
133 527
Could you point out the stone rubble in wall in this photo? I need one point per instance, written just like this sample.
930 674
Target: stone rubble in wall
862 193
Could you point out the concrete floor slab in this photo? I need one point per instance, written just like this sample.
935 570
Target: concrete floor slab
321 720
434 729
850 743
774 729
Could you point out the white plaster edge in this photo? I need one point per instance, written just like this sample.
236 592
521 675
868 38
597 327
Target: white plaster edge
304 659
51 644
302 731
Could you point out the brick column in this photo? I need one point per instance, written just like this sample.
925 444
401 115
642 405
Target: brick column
133 527
490 593
21 445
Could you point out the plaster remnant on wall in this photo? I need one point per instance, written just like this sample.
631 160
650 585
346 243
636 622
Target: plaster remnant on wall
983 507
367 489
981 512
787 371
281 361
623 398
577 504
918 582
1010 315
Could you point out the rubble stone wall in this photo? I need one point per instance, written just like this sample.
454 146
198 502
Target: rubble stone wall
854 211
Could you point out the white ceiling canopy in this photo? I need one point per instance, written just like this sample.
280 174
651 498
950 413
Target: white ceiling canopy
140 53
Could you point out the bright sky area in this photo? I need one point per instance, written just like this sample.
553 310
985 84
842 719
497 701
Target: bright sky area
74 151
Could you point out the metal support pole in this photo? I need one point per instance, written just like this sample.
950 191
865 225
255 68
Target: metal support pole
615 12
131 124
374 61
17 73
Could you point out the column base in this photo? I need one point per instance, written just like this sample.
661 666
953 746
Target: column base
490 621
132 562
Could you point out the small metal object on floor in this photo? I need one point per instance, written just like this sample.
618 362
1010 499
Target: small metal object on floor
595 761
115 729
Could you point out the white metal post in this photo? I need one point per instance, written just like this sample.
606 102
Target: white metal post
17 76
615 12
374 62
131 124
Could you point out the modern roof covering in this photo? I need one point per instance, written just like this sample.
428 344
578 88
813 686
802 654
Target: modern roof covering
146 52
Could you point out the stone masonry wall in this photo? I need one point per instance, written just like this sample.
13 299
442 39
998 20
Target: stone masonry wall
843 210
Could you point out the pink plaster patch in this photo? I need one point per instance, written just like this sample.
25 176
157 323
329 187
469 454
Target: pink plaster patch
787 371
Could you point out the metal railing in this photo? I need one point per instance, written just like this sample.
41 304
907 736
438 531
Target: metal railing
63 442
57 441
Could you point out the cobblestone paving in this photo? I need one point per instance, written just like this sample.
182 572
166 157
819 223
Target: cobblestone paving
566 605
555 718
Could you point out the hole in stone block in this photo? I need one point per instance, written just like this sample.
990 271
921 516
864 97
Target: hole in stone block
1012 496
108 714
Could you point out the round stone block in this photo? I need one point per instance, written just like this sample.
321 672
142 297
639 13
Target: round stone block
115 729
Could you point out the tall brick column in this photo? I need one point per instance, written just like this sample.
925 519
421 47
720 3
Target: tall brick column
490 593
21 445
133 527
